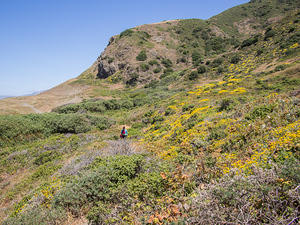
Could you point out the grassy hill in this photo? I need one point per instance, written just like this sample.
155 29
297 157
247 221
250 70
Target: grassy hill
212 140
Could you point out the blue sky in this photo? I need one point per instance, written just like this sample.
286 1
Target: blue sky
46 42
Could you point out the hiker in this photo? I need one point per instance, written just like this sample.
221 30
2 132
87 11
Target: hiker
124 133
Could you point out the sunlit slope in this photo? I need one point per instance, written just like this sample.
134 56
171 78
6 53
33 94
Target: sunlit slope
214 142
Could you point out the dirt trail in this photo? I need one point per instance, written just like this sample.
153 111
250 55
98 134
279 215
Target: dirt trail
32 107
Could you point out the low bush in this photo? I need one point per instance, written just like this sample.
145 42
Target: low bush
167 72
147 186
142 56
144 67
235 59
95 106
38 215
153 62
152 84
250 41
157 70
118 179
169 111
220 69
226 104
187 107
269 33
167 63
217 62
127 32
132 81
280 67
196 56
193 75
262 198
216 44
201 69
260 112
24 128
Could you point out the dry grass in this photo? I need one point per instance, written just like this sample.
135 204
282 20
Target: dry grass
45 101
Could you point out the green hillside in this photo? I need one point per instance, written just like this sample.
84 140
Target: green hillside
213 139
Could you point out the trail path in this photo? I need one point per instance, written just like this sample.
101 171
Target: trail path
32 107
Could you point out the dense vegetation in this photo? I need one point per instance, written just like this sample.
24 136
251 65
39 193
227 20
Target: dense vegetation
215 143
16 129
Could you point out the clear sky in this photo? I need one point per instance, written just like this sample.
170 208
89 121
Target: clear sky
46 42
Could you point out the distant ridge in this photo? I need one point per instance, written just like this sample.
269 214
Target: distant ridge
5 96
31 94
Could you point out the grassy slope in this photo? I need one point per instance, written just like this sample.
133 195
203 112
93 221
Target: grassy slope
236 128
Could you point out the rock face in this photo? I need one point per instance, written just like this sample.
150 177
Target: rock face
104 69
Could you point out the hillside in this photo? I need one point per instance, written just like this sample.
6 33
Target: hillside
146 53
213 135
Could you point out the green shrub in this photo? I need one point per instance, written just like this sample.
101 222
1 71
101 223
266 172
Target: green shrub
147 186
167 72
291 40
280 67
141 56
97 106
201 69
24 128
196 56
169 111
220 69
101 122
157 118
143 35
216 44
260 112
193 75
68 123
235 59
144 67
216 133
153 62
38 215
45 157
192 121
226 104
69 108
250 41
269 33
182 60
157 70
152 84
127 32
259 52
187 107
133 79
167 63
99 183
217 62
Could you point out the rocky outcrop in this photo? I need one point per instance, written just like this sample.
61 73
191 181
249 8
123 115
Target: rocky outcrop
104 69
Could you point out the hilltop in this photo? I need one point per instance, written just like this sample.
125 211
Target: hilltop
145 54
212 111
